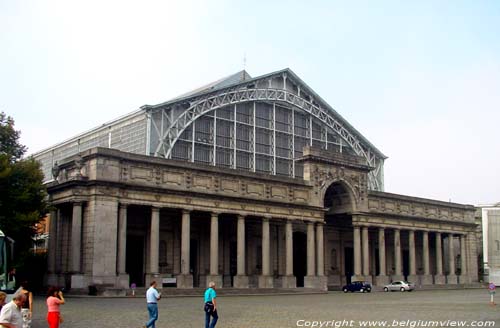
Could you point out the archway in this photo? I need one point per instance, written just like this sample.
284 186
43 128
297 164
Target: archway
339 206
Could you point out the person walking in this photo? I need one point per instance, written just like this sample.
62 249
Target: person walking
10 316
152 298
27 307
491 290
211 306
54 299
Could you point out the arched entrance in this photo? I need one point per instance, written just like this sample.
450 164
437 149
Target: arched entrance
299 257
339 206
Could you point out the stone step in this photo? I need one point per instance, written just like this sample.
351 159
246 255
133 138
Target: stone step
198 292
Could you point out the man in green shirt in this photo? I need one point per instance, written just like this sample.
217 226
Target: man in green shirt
210 306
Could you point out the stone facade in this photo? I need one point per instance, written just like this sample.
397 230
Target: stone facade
122 218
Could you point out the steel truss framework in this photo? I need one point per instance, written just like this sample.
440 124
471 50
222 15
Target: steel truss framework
204 105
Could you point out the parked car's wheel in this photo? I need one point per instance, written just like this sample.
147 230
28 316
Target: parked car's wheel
410 290
362 290
402 289
369 290
345 290
386 289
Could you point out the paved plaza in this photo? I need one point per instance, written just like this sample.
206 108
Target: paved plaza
335 309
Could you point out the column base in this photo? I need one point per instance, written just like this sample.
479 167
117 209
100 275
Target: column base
439 279
397 277
316 282
426 279
381 280
288 282
52 279
413 278
184 281
240 281
266 282
150 277
357 277
215 278
451 279
79 281
464 279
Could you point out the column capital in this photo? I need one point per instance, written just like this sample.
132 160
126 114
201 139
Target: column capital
216 214
123 205
381 228
265 219
155 208
77 203
186 211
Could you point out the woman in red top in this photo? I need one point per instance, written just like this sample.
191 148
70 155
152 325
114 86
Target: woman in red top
54 299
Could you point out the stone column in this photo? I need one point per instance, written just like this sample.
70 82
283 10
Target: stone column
265 280
154 247
320 258
185 279
398 274
310 249
122 238
320 254
439 277
382 278
52 251
413 261
214 251
366 254
76 237
241 279
310 281
103 212
426 278
463 259
289 280
452 277
357 254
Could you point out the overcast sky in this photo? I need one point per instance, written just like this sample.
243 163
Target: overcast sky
421 81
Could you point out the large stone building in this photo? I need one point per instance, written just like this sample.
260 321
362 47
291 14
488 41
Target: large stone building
250 182
490 217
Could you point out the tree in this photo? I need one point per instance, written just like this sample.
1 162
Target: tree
22 193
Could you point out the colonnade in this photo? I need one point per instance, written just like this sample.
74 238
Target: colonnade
315 266
362 256
267 278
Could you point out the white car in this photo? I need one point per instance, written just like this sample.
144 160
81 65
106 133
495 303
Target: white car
403 286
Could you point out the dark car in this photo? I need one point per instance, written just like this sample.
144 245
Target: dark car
357 286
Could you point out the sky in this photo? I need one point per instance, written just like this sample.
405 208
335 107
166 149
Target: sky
420 80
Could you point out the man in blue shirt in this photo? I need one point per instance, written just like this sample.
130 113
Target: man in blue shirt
210 305
152 297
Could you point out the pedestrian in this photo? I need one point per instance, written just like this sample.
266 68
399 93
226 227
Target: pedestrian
211 306
54 299
10 316
27 307
3 296
491 290
152 298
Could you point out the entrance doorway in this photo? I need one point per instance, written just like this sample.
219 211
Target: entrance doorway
134 265
348 263
233 261
193 260
299 257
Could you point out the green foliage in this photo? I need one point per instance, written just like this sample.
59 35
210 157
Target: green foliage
9 139
22 193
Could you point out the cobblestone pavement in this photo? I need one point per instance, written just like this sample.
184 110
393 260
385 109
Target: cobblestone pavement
284 311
